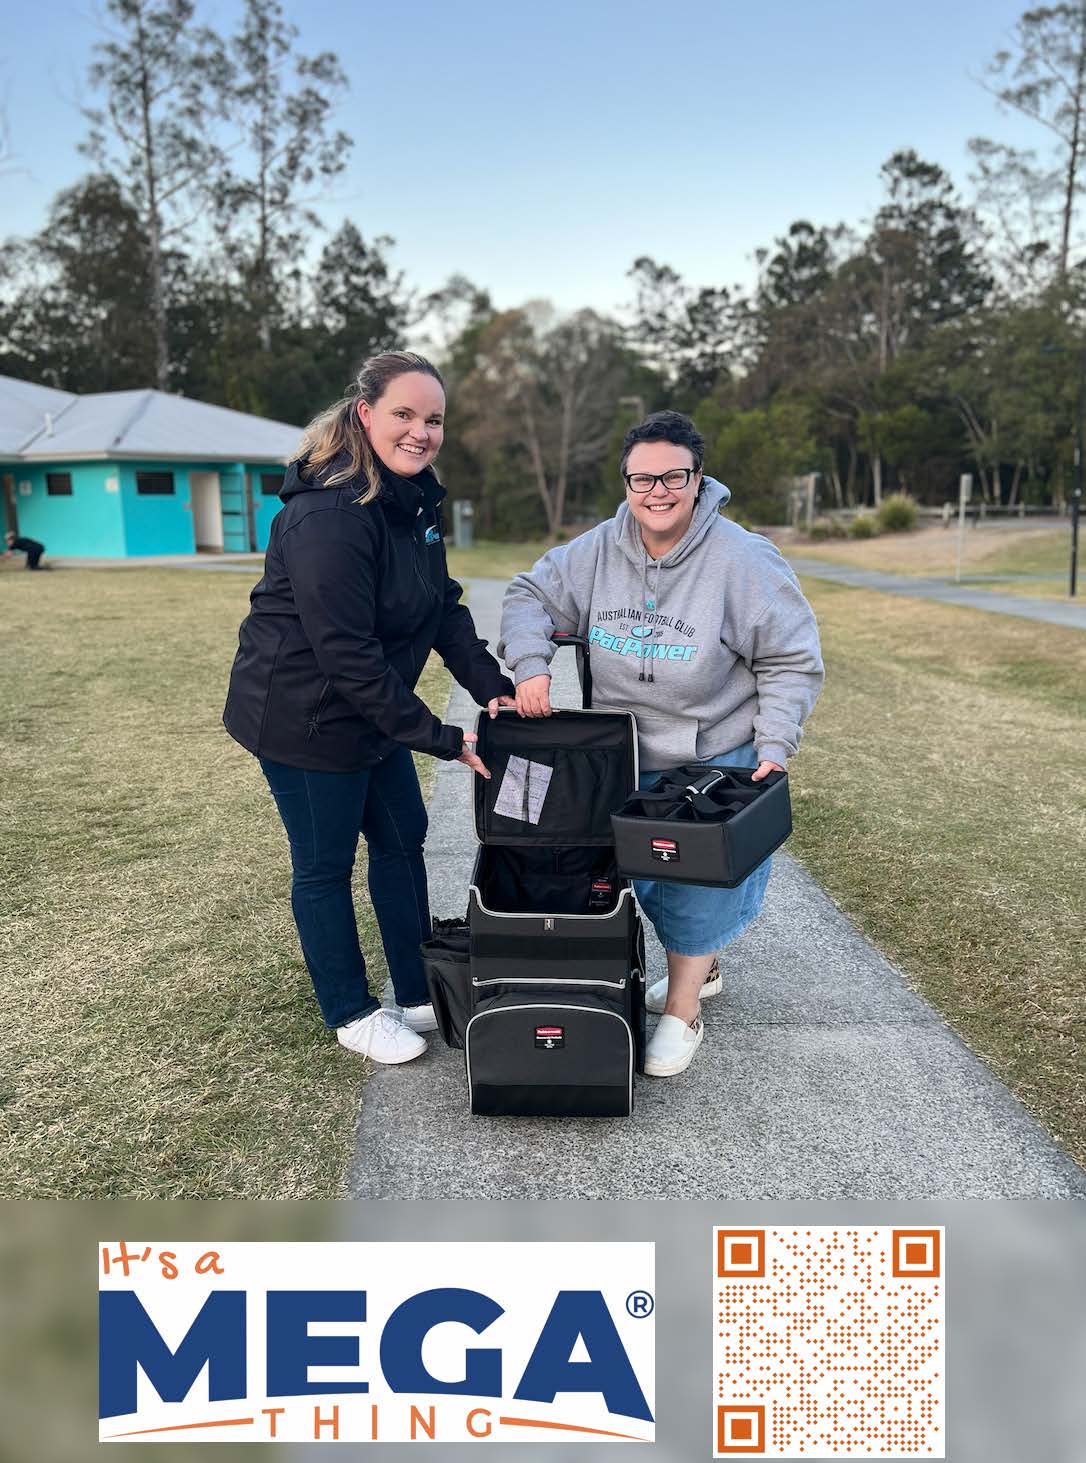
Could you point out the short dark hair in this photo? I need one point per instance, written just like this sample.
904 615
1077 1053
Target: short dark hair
665 426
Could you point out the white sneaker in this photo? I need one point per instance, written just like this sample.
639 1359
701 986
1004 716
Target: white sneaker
672 1046
656 995
419 1018
382 1037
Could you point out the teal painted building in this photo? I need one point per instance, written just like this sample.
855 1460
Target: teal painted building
126 474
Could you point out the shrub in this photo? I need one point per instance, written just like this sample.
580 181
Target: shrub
897 514
864 525
823 528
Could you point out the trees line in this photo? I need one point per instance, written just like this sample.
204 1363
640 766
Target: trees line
944 335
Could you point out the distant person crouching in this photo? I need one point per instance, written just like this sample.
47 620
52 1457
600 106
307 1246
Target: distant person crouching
28 546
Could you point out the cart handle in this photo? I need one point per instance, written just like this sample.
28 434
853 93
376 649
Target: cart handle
580 644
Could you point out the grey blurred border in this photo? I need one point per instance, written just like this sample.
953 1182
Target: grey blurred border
1016 1312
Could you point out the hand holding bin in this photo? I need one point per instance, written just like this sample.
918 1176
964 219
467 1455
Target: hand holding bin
702 825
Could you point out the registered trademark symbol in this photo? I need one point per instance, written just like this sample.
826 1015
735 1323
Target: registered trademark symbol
640 1303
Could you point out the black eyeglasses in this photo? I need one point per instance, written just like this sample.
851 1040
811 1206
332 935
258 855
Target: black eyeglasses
674 479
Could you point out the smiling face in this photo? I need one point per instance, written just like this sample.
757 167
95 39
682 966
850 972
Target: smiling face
663 513
406 425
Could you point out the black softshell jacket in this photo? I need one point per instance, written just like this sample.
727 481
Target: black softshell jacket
352 601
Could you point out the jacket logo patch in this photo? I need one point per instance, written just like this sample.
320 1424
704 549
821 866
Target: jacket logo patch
432 536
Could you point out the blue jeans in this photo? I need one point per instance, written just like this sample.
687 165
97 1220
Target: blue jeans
692 919
323 813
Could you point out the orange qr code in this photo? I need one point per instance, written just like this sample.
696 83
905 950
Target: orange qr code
828 1343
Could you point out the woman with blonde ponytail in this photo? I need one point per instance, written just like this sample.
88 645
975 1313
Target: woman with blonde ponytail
355 595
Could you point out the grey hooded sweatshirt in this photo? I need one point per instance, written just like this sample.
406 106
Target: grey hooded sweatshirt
711 646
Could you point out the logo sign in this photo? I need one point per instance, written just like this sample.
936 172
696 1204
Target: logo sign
376 1342
666 850
550 1037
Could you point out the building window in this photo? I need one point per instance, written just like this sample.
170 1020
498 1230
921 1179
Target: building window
154 482
58 484
270 483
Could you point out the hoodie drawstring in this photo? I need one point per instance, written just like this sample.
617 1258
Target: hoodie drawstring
651 678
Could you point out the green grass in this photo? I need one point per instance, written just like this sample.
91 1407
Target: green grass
487 559
941 799
161 1039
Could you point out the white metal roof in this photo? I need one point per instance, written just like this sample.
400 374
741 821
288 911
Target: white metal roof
23 408
150 425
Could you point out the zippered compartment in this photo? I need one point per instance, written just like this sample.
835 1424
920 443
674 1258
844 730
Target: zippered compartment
562 1058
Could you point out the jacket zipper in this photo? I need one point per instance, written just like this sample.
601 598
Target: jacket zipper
314 719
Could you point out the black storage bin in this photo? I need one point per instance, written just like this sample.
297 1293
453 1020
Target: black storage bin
703 825
556 947
446 959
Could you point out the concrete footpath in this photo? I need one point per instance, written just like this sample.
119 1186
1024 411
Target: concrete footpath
1071 613
821 1076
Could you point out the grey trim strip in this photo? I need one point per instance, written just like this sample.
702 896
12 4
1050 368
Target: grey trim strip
626 893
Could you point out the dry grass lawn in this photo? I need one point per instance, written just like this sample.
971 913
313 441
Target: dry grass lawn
941 799
160 1036
161 1039
988 548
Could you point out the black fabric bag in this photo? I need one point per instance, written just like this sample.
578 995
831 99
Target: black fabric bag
703 825
445 959
556 949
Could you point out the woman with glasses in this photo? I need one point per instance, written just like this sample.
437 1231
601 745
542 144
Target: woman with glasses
701 630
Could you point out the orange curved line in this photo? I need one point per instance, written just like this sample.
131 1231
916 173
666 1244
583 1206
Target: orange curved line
567 1427
180 1427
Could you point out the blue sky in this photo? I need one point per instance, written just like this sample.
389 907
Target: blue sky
540 148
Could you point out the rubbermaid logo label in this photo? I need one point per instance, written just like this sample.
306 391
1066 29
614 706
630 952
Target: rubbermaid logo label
375 1342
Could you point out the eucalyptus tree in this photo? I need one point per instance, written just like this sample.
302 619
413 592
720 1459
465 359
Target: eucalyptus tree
163 81
75 310
544 391
359 305
282 106
687 336
1041 76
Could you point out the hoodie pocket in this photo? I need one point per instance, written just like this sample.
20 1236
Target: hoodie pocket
666 741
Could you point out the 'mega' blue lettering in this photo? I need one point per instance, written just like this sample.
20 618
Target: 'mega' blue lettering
582 1313
407 1328
292 1351
128 1338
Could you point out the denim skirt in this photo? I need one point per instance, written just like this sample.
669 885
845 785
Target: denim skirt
692 919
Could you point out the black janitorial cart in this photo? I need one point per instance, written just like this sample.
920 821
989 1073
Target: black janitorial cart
549 1001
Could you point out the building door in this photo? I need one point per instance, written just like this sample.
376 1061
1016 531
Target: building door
235 514
207 518
11 517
